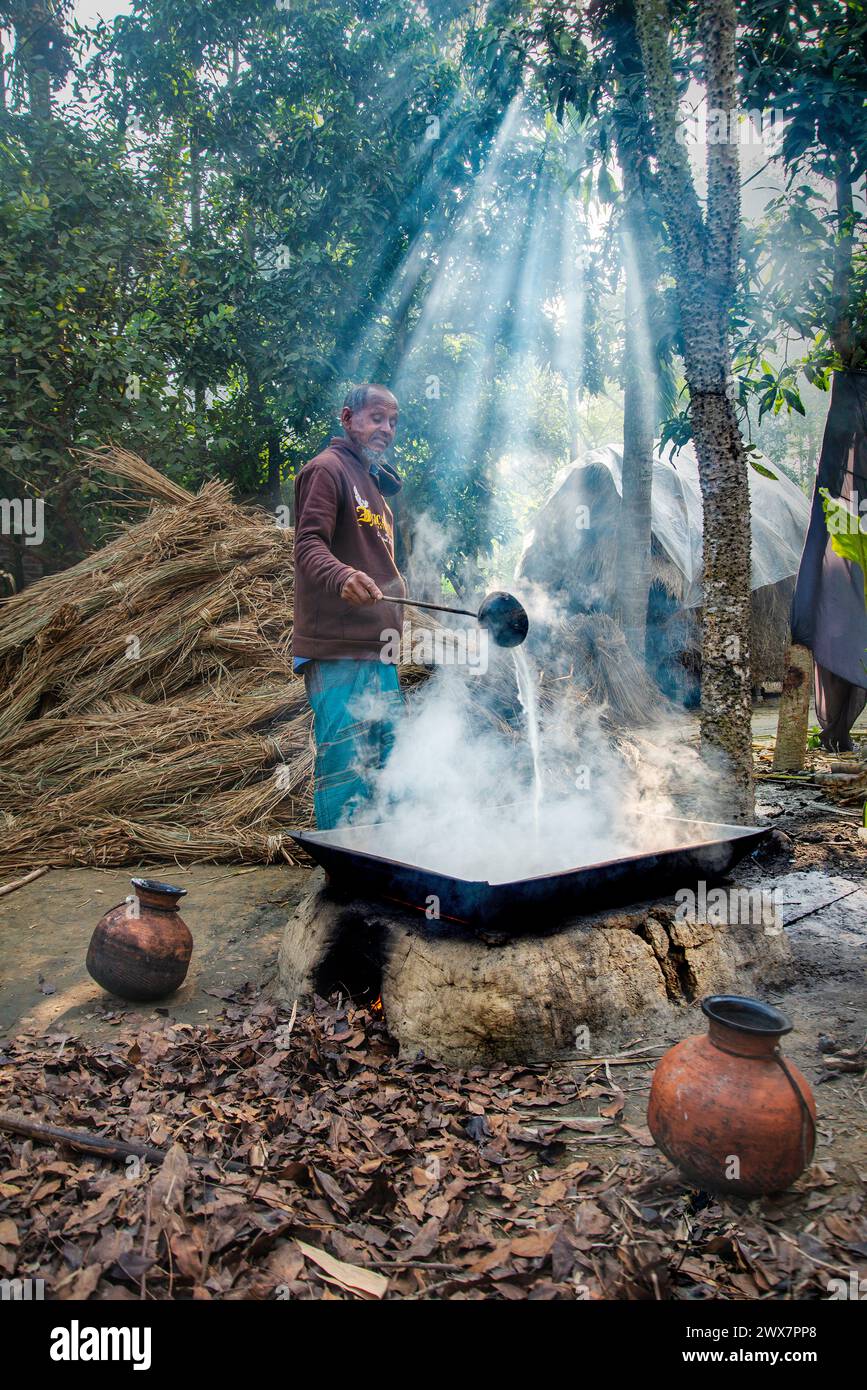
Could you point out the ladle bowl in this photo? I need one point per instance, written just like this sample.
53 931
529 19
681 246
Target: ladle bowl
505 619
500 614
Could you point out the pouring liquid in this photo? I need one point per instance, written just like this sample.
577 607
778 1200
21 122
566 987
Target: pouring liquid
529 704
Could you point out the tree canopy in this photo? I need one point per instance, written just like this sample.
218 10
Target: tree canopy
215 216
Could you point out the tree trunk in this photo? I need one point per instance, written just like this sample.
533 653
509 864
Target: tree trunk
275 466
32 21
633 144
726 688
841 323
639 418
794 715
634 527
705 253
195 186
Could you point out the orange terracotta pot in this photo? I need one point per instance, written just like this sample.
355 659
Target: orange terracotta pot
728 1110
141 949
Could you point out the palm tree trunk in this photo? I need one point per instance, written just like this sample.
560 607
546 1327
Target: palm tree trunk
726 689
639 417
705 254
794 714
633 143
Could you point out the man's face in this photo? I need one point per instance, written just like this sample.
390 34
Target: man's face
374 426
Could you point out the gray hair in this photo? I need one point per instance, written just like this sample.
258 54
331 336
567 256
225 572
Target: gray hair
357 397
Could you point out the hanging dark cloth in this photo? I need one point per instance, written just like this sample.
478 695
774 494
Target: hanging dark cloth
829 614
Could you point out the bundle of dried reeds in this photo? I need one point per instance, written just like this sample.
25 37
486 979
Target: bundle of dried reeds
149 710
589 650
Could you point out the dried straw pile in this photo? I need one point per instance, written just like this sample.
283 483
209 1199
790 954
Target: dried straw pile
584 657
149 710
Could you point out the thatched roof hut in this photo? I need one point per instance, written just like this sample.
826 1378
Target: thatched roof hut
571 553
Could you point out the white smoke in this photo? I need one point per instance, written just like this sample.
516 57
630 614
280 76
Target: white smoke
456 795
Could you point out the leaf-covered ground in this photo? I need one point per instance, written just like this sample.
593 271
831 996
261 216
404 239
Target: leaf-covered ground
372 1177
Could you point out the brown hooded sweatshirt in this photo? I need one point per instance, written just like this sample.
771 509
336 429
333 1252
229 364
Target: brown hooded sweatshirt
343 524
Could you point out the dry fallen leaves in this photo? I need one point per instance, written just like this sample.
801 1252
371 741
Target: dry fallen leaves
372 1177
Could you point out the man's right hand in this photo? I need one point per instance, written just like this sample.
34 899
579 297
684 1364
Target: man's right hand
360 589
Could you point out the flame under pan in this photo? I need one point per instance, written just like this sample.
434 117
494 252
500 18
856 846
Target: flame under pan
702 851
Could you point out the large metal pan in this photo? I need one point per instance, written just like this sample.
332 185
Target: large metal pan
701 851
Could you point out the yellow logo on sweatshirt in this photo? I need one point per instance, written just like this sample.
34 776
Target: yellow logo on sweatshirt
366 517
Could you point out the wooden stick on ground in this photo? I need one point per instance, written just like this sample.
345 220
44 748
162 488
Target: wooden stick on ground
95 1143
20 882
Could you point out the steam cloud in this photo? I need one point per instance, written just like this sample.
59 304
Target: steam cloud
457 798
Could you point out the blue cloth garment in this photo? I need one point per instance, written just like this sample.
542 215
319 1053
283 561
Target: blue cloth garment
355 705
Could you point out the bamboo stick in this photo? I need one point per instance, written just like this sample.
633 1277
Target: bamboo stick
20 882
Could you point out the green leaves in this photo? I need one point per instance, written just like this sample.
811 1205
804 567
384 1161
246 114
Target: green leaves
760 467
848 540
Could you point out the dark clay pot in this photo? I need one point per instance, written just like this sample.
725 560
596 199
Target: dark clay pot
731 1094
141 950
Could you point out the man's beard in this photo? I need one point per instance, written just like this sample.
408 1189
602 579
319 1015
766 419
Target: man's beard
373 455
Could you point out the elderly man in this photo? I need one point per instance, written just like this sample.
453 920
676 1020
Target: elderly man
344 565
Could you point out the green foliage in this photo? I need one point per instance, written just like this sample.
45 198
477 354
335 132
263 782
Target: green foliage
847 539
243 207
80 245
807 265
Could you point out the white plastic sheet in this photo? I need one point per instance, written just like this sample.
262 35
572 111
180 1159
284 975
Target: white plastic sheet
779 515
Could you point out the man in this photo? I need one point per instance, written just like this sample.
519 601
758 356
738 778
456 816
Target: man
344 565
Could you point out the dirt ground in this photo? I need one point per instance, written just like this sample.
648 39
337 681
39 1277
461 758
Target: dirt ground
235 916
780 1247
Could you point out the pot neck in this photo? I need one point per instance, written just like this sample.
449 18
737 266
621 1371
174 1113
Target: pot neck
741 1044
157 902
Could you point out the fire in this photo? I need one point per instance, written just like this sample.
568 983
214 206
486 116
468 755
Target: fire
376 1007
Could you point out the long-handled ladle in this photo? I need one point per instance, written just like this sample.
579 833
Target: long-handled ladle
501 614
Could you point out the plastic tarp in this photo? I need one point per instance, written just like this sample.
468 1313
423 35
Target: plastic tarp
779 516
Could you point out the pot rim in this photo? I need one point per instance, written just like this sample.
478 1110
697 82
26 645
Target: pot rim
155 885
756 1017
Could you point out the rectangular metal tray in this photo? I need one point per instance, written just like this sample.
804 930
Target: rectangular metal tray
707 852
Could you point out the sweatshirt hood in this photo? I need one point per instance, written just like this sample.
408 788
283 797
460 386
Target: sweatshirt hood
384 474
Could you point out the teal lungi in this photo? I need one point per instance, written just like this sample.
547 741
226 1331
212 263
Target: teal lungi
355 705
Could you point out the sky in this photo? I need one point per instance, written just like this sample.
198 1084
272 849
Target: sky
86 11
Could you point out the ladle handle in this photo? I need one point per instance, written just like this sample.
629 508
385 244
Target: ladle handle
437 607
